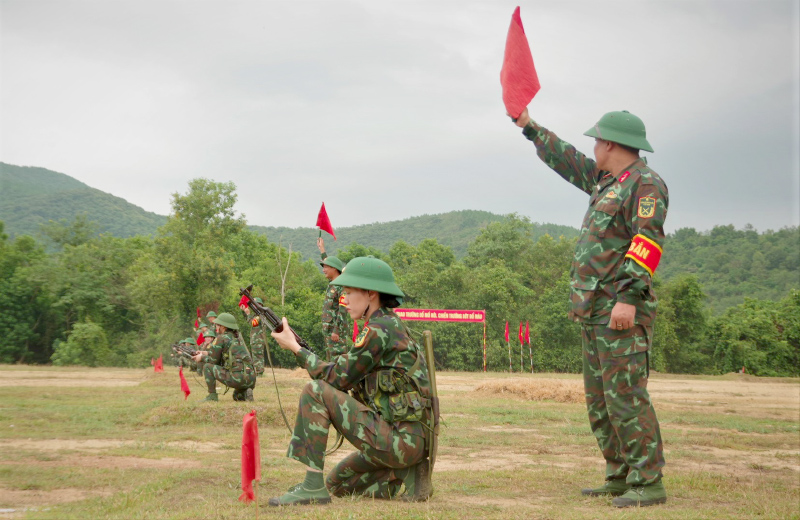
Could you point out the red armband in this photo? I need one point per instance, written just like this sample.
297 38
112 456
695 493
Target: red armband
644 252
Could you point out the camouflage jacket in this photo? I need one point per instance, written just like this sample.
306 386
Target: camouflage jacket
622 234
230 353
385 355
257 342
334 315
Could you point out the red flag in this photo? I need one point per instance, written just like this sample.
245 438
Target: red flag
159 365
506 332
244 301
355 330
184 385
251 456
197 321
323 222
520 335
200 339
527 334
518 75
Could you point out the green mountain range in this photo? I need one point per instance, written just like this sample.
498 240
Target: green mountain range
730 264
30 197
455 229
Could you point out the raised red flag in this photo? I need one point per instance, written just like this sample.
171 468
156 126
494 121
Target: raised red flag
243 302
520 335
527 333
355 330
518 75
506 332
197 321
323 222
159 364
184 385
251 457
200 339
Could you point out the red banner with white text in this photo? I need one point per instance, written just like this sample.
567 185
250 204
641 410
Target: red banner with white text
458 315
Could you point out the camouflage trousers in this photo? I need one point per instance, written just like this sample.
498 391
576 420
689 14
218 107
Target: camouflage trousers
384 454
621 415
236 380
257 350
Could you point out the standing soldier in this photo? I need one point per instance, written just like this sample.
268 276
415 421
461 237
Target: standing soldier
257 338
618 250
334 315
228 361
211 316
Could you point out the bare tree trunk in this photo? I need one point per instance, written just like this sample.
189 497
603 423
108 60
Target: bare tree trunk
280 269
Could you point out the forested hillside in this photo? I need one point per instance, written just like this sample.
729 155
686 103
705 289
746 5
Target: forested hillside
733 264
31 197
79 298
455 230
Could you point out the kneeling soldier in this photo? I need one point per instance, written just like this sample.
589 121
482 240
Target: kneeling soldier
390 414
228 361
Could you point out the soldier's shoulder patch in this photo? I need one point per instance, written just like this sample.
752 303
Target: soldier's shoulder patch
362 336
647 207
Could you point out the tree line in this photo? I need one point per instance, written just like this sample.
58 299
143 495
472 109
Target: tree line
83 299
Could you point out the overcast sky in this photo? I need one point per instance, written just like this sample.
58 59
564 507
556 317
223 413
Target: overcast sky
388 110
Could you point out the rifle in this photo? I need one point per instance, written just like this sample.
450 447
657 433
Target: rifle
183 350
273 321
276 325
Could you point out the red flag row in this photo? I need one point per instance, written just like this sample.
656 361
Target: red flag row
523 337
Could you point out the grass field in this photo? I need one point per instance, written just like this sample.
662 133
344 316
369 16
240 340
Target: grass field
122 443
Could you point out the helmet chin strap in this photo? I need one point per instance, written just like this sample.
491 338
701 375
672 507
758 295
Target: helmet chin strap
369 305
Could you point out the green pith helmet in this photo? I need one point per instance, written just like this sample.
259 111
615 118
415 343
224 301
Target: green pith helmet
227 320
334 262
258 300
202 324
623 128
369 273
188 341
211 314
210 334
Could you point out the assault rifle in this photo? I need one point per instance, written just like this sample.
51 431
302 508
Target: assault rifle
273 321
184 350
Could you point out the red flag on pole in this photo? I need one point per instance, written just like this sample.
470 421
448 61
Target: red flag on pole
323 222
200 339
159 365
197 321
355 330
251 458
184 385
506 332
518 75
527 333
520 335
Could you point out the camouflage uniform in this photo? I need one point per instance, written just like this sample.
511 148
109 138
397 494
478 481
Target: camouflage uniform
385 419
229 362
334 320
257 344
617 251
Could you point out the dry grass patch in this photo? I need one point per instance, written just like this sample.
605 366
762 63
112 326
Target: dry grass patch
562 391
